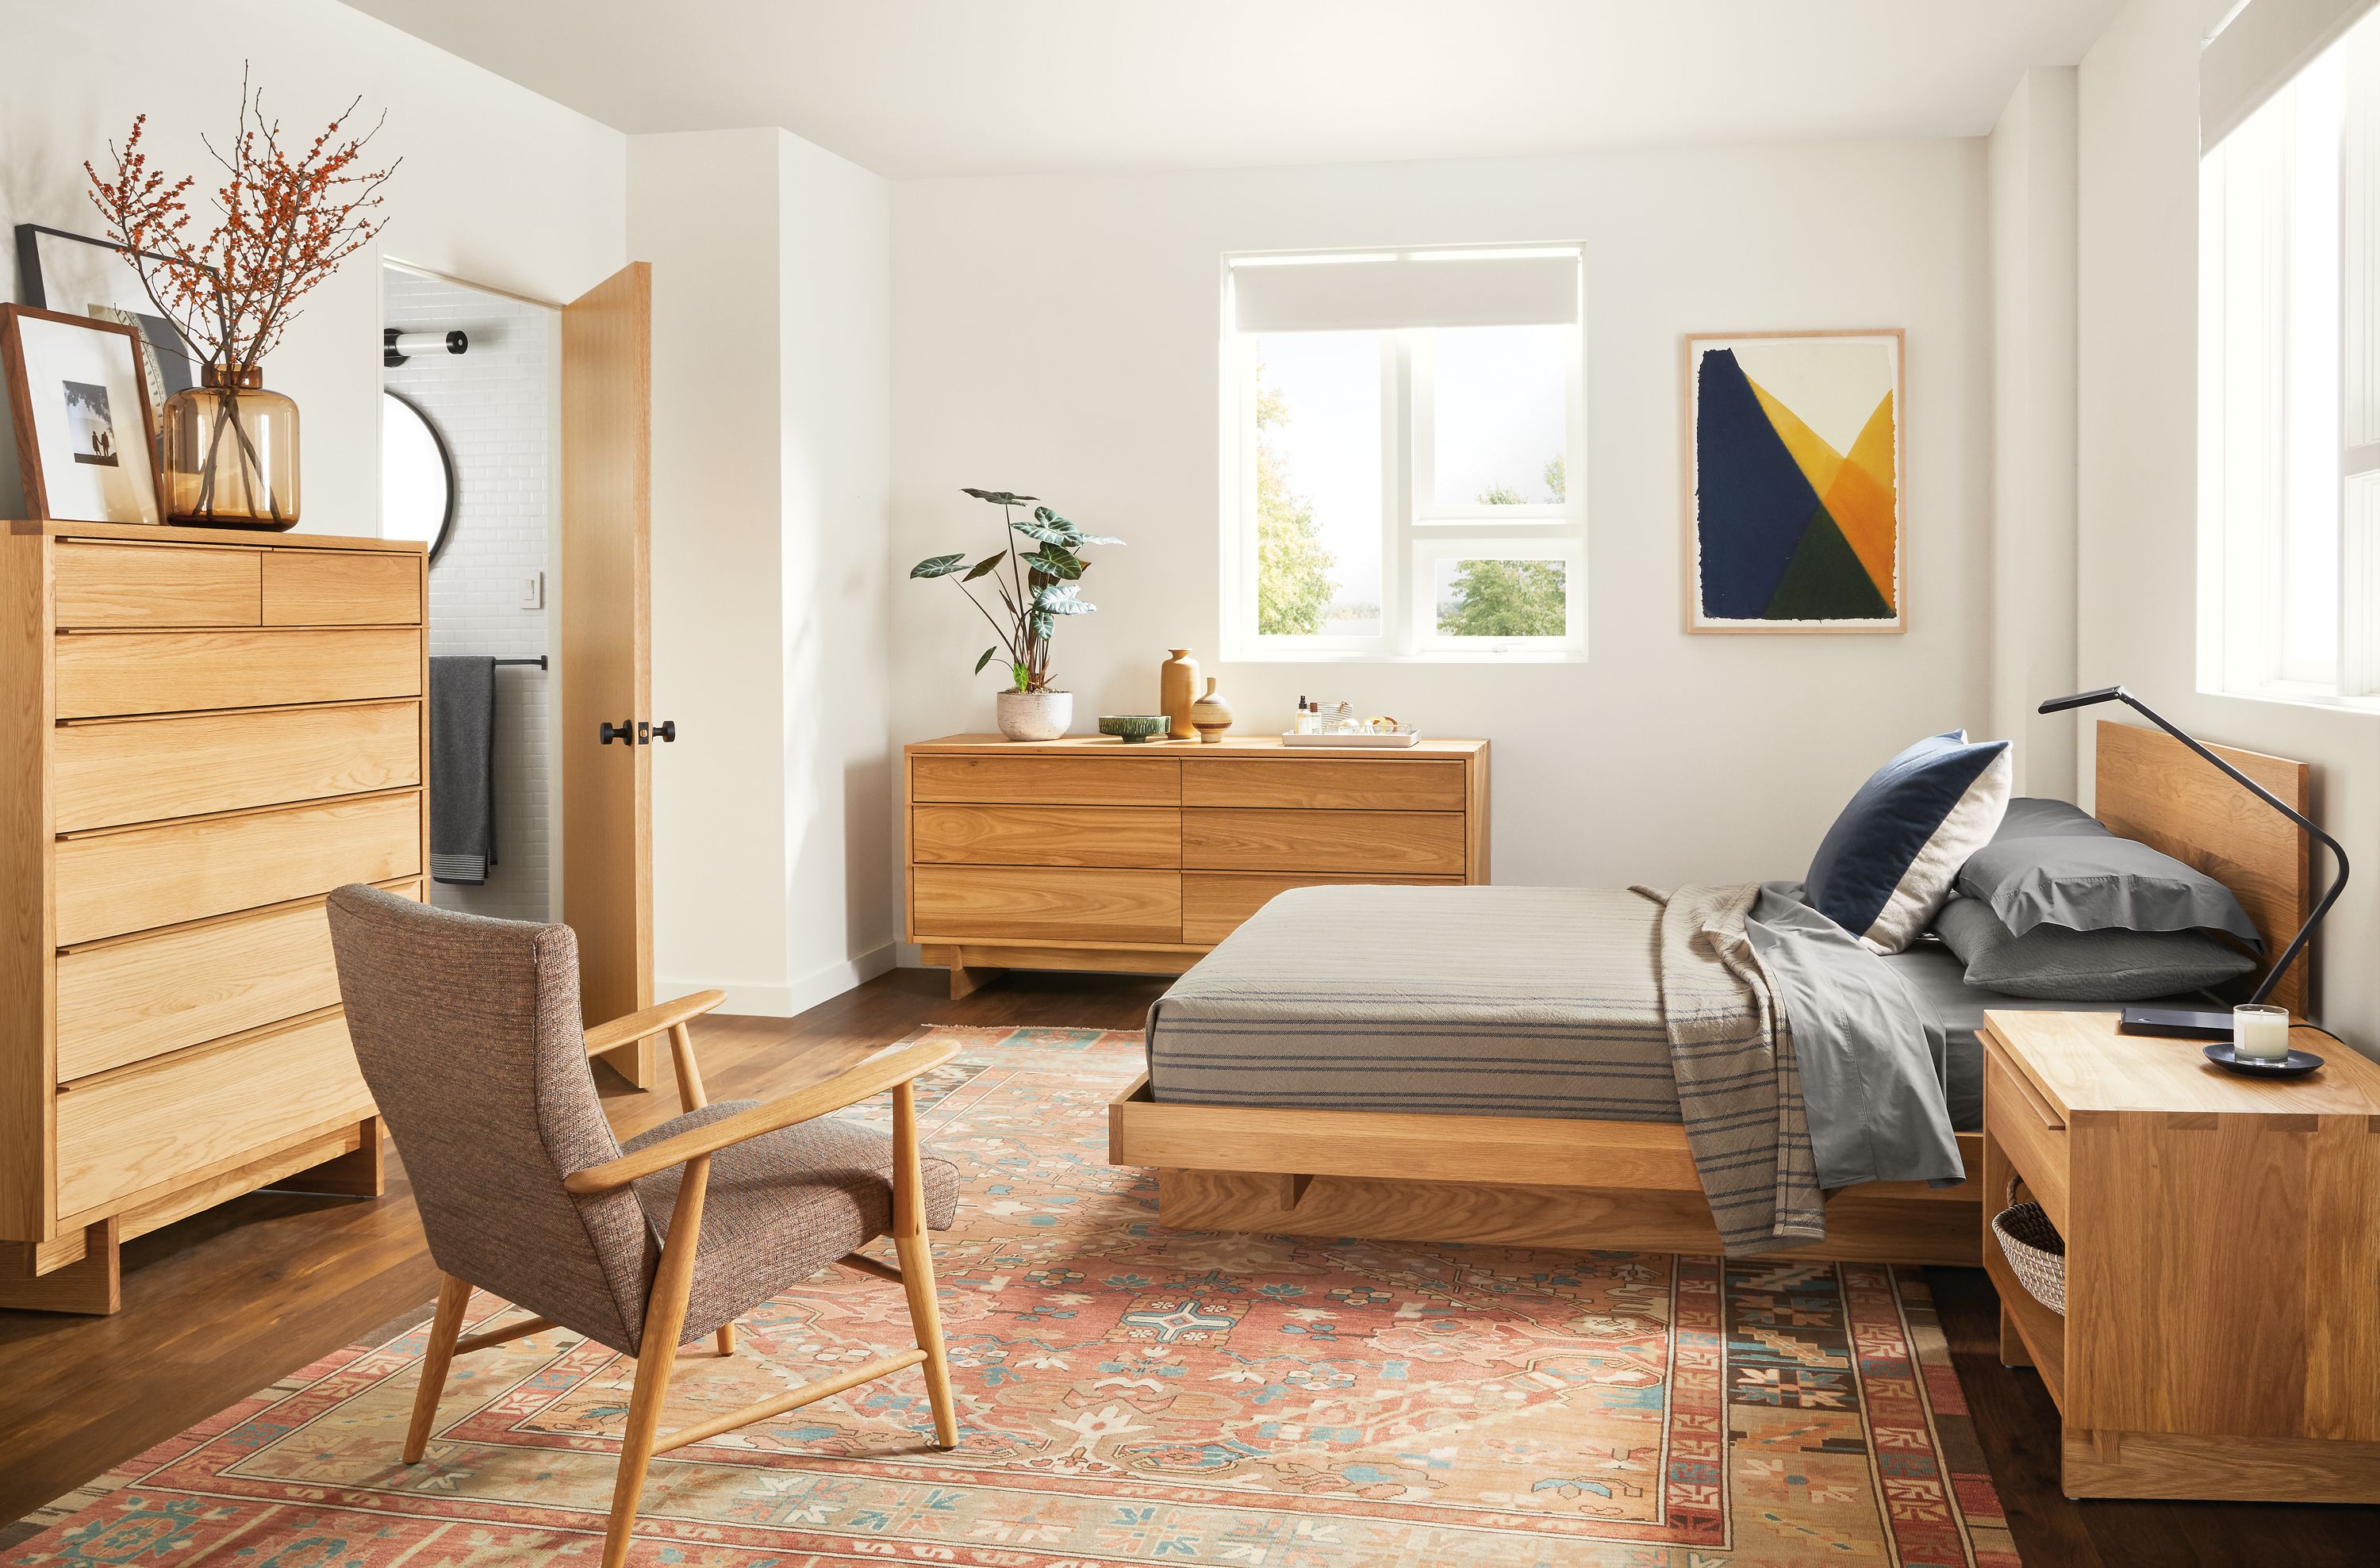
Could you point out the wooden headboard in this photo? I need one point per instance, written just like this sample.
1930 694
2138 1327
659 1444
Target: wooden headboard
2152 787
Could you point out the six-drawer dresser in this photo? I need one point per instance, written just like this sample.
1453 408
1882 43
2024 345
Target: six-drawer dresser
201 733
1091 853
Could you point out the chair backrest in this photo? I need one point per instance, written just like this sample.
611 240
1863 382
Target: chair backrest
469 1033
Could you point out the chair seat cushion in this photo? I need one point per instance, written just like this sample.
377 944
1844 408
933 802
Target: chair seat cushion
782 1206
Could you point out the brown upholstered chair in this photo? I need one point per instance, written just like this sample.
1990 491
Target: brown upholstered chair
467 1030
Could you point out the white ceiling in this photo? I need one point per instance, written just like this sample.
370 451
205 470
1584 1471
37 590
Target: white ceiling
924 87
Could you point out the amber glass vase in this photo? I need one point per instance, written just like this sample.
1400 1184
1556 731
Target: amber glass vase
231 454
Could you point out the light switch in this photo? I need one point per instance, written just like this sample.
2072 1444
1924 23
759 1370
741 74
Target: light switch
533 591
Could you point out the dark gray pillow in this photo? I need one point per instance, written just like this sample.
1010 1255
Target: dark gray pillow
2052 864
2052 963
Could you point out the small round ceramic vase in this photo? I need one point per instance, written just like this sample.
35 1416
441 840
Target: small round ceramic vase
1034 716
1211 714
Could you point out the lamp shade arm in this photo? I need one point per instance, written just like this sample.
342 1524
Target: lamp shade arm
2338 854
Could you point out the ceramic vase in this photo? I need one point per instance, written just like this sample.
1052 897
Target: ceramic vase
1034 716
1177 689
1211 714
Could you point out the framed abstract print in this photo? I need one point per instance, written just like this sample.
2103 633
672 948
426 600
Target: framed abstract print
1794 482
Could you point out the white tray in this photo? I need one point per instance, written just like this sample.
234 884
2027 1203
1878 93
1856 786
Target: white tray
1400 738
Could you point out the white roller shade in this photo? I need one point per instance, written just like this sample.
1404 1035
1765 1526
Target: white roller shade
1404 290
2258 51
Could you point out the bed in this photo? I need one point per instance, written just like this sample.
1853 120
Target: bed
1453 1113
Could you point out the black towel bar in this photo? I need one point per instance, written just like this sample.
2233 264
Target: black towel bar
539 661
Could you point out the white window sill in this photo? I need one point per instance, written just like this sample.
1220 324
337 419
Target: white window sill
1449 656
2297 694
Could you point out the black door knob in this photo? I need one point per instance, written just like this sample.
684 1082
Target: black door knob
666 730
624 732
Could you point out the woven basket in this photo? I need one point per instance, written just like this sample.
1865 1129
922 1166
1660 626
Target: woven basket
2036 1252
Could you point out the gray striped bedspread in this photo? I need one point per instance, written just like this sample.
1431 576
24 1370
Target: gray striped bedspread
1593 1003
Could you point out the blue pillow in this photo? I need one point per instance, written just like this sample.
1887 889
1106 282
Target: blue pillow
1885 868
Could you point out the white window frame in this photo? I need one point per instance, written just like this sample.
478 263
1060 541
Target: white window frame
1413 527
2252 425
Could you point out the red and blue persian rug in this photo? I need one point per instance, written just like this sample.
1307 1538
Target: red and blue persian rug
1136 1395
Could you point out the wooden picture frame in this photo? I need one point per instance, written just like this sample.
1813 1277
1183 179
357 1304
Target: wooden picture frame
1892 587
42 418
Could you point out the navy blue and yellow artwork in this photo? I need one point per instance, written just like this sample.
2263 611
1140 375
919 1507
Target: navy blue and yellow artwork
1796 524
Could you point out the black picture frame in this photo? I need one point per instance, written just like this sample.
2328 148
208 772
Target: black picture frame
171 361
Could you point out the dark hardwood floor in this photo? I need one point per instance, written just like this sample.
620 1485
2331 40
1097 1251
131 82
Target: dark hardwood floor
223 1304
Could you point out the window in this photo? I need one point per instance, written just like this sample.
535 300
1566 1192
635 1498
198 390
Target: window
1403 434
2290 373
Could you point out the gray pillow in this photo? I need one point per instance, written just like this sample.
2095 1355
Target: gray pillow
2052 864
2053 964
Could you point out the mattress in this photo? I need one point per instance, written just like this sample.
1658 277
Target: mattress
1557 1011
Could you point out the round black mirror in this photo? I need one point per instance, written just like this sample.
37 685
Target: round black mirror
416 476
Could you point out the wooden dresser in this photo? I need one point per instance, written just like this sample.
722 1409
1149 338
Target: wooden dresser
202 732
1088 853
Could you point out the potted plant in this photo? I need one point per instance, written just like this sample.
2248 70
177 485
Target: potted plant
285 216
1035 590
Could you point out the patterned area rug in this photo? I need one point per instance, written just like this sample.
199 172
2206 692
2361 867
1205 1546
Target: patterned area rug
1135 1396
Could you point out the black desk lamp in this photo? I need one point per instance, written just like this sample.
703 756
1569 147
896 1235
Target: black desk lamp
2200 1023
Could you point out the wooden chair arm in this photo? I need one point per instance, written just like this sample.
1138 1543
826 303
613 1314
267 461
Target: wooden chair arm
655 1019
870 1078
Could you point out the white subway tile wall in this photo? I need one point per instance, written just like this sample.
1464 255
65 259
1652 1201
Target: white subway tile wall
490 406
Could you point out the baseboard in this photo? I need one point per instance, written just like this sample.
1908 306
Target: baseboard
755 1000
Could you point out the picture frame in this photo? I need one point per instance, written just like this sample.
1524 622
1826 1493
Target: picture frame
86 432
1795 492
81 275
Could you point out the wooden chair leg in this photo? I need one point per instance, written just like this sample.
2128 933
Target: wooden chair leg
454 1298
727 1339
664 1319
917 1261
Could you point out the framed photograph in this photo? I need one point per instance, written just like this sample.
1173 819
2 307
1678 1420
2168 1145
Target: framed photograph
86 432
1794 482
81 276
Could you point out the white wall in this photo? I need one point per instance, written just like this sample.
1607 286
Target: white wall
498 185
2138 478
772 824
1058 335
492 407
2033 171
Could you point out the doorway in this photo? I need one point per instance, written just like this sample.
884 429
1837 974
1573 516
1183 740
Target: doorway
470 463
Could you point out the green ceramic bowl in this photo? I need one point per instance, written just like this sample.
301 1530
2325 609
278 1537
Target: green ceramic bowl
1135 727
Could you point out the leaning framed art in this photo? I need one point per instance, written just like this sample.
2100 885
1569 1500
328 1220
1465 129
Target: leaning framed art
86 433
1794 514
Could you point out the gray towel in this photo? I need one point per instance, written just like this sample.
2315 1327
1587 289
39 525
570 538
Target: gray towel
462 768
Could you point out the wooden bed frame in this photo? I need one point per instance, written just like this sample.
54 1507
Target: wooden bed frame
1541 1181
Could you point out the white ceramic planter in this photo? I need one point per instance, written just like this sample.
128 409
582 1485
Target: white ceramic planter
1034 716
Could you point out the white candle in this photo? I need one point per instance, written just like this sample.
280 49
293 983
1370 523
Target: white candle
2260 1033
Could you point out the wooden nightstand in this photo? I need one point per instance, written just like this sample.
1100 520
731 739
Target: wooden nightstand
2222 1328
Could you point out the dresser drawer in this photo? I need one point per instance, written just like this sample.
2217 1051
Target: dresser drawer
144 770
1368 841
341 588
175 1118
1215 903
142 996
136 878
1062 779
148 585
119 673
1396 785
1117 836
1002 903
2029 1131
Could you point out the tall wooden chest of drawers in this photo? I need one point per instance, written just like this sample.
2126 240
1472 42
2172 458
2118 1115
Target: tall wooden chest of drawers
1089 853
201 733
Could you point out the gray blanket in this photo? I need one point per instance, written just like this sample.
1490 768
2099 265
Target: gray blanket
1549 1002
